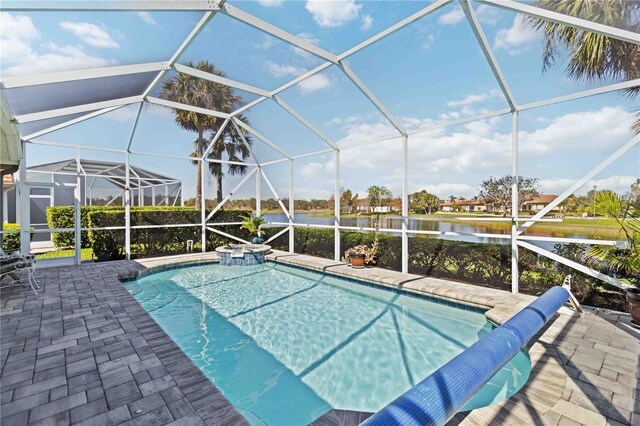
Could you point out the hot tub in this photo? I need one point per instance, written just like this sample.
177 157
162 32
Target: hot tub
242 254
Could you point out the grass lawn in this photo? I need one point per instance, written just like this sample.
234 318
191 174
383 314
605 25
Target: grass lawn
85 254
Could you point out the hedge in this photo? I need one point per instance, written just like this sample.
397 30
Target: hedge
476 263
157 241
11 242
63 217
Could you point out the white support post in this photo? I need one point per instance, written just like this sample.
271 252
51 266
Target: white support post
203 218
60 112
515 272
127 207
76 210
25 201
405 204
275 194
258 190
336 207
291 209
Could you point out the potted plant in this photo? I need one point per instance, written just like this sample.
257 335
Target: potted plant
357 255
621 260
253 223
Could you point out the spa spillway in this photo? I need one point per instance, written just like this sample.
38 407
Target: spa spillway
242 254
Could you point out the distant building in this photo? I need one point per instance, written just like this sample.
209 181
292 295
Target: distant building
464 206
365 207
538 203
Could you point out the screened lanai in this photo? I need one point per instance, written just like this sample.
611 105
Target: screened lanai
326 101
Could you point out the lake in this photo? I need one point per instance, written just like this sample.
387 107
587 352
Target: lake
395 222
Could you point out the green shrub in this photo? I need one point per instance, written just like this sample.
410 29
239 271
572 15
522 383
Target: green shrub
158 241
11 242
63 217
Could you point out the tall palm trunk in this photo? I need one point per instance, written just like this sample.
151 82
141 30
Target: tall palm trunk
219 187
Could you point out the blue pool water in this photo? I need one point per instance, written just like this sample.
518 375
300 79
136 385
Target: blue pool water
286 345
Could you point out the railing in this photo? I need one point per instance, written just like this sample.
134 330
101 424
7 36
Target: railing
436 399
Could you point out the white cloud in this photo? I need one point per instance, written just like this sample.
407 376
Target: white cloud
516 38
311 170
428 42
270 3
454 161
367 22
332 14
452 17
18 32
266 43
283 70
90 34
473 98
314 83
146 17
57 58
616 183
487 15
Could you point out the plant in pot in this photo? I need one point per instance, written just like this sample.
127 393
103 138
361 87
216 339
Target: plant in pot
357 256
253 223
624 261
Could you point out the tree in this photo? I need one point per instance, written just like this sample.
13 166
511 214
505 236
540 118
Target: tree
231 143
379 196
634 194
424 201
200 93
593 56
349 200
497 191
627 260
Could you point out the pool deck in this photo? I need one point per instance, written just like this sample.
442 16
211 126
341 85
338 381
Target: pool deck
83 351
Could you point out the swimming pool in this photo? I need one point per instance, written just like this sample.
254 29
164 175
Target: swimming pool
286 345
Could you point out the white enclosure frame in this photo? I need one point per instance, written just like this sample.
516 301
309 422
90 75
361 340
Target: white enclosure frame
212 7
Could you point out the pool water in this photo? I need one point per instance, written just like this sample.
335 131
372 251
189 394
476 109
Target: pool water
286 345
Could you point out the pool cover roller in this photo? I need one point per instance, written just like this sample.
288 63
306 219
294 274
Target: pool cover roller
436 399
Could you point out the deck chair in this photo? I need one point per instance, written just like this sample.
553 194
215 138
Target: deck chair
13 265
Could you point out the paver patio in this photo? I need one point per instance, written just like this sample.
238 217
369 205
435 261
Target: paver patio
83 351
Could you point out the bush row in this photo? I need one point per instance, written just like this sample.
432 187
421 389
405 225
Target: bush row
11 242
149 242
476 263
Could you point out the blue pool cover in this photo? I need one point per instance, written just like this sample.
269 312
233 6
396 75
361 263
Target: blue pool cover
441 395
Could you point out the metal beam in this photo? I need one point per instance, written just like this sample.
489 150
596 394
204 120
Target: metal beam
583 24
76 75
336 207
392 29
405 204
515 207
220 80
277 235
488 53
135 126
583 94
224 234
60 112
185 107
248 145
600 167
577 266
215 138
237 187
108 5
69 123
375 101
268 28
304 121
261 137
275 194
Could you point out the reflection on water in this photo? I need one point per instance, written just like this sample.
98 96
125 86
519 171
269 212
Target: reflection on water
395 222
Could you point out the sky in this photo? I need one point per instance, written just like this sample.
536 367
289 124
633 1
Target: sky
430 71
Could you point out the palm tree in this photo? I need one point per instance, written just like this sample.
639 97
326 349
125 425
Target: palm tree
594 57
201 93
231 143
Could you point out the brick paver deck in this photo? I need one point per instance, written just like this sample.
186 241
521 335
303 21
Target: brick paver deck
83 351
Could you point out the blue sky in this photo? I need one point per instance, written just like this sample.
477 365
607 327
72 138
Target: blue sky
429 71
